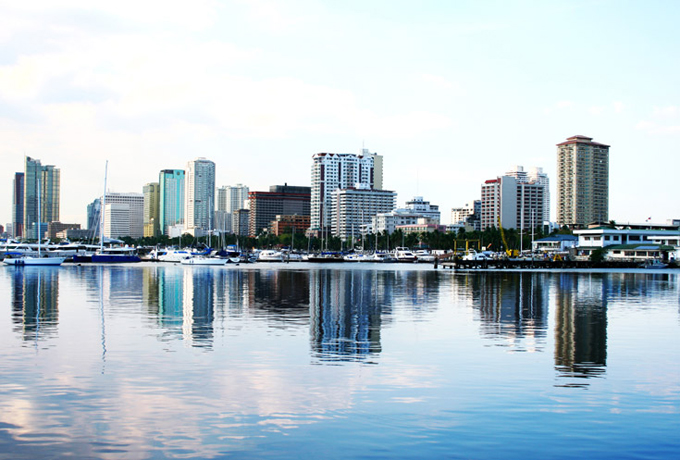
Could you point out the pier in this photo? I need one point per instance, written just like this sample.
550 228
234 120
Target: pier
510 264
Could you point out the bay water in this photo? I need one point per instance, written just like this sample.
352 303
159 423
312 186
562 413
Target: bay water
342 361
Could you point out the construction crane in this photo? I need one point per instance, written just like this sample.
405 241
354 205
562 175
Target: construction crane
508 251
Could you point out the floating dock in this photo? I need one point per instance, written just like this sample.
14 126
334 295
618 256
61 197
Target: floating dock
510 264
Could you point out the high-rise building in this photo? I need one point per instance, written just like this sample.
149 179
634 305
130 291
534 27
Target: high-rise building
45 179
199 203
352 209
511 203
288 200
241 222
582 182
18 205
229 199
171 201
333 171
460 215
124 215
151 209
535 175
94 218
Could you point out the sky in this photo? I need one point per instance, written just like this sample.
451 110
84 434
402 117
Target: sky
451 93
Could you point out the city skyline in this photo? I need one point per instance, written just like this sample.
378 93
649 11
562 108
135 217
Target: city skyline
449 94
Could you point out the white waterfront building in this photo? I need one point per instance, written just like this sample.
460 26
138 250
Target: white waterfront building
512 203
535 176
124 215
416 212
229 200
333 171
353 209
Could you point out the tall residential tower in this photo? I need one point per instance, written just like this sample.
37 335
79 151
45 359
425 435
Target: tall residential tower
171 204
582 182
199 196
333 171
49 187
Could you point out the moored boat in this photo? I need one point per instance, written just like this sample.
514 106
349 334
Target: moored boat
202 260
33 261
405 255
325 257
270 255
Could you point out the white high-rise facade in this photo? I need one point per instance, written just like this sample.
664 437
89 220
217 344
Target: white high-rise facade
334 171
229 200
124 215
353 209
536 176
200 196
511 203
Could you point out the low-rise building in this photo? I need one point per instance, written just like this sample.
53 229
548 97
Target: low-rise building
422 227
630 244
555 244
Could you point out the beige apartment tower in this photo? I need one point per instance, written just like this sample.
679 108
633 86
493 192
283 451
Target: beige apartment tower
582 182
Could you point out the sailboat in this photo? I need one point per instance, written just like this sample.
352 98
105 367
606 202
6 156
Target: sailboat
40 260
111 255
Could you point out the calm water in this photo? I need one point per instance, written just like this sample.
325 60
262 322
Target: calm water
303 361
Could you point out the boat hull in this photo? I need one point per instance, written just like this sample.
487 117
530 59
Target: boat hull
204 262
115 258
35 261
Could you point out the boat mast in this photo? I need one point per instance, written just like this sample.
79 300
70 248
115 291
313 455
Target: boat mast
102 211
39 213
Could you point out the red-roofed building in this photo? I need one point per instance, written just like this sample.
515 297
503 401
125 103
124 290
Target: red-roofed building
582 182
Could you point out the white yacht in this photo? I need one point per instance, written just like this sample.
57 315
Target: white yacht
174 255
270 255
202 260
405 255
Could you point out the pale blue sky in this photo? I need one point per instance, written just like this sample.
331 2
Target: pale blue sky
451 92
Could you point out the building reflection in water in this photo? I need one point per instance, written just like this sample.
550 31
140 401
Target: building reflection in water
512 307
344 309
345 315
581 326
348 308
35 292
199 303
280 296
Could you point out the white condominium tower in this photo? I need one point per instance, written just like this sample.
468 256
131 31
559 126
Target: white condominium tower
333 171
511 203
124 215
582 182
535 176
229 200
199 196
354 208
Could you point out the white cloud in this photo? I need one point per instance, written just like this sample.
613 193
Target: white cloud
670 111
652 127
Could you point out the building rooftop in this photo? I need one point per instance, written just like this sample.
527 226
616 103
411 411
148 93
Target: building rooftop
559 238
578 139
